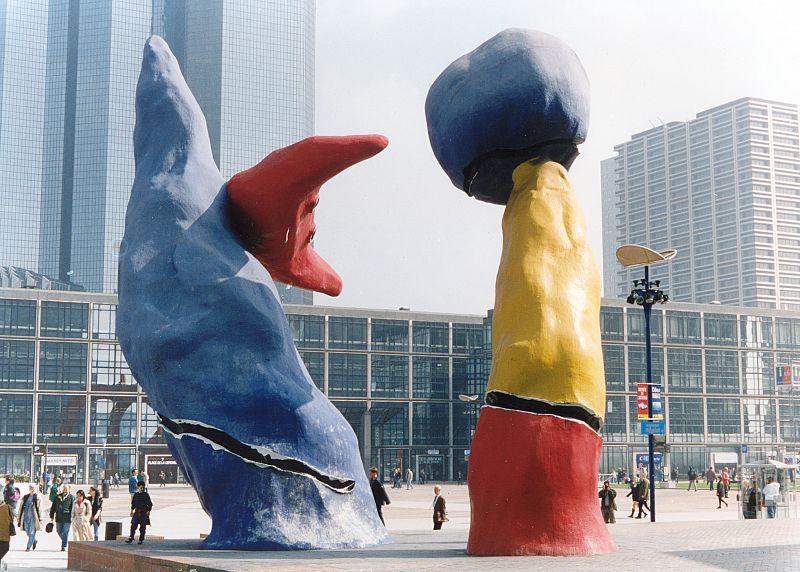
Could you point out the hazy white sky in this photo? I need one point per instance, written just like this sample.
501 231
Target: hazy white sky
395 228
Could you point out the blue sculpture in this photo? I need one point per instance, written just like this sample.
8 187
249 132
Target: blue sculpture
479 136
274 463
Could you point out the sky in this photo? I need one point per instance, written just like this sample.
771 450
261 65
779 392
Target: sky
395 228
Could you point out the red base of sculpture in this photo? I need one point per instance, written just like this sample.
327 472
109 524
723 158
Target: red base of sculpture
532 486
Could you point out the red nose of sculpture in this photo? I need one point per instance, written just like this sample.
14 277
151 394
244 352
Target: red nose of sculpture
272 206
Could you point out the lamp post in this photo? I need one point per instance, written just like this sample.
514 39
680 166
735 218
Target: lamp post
646 293
469 399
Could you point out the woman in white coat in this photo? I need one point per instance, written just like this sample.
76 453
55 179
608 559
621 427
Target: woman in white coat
81 517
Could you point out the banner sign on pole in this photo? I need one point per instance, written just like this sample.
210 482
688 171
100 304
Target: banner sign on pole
787 375
653 428
658 410
642 410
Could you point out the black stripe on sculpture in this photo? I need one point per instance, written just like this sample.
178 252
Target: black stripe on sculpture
531 405
251 454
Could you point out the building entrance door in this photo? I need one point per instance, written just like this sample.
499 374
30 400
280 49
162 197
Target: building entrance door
434 467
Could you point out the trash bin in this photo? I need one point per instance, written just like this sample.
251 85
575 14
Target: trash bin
106 486
113 529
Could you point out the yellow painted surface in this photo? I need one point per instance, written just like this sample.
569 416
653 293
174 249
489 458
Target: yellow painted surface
546 327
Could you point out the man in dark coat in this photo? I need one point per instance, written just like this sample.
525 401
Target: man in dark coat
439 509
141 505
644 496
61 511
378 492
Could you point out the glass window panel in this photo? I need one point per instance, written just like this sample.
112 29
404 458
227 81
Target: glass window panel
614 459
315 364
62 365
308 331
614 364
467 337
390 335
755 331
431 424
389 423
759 421
17 317
106 462
151 431
113 420
611 324
685 458
16 462
389 376
615 421
347 375
431 337
430 377
685 419
347 333
724 424
65 320
16 418
787 333
61 418
637 365
17 358
720 329
110 371
104 322
758 372
685 370
722 371
790 420
636 325
683 328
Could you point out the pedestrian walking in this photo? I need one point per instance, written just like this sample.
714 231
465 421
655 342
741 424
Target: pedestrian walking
439 509
6 522
608 502
726 480
397 477
133 482
30 516
162 476
141 505
409 479
97 511
675 474
771 492
460 479
54 488
634 494
61 512
422 476
692 474
644 496
711 478
81 517
378 493
11 494
721 493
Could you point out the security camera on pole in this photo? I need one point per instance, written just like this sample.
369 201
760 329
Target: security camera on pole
646 293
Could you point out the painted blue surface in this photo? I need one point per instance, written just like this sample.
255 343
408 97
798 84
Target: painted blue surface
519 89
202 328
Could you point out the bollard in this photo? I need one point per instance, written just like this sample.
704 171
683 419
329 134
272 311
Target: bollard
113 529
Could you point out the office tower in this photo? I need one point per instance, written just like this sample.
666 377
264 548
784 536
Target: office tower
724 189
67 113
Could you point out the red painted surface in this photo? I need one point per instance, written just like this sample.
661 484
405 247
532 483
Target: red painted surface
272 206
532 482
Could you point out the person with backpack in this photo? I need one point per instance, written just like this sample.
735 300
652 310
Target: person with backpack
11 494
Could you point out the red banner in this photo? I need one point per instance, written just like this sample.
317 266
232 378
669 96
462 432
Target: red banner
642 411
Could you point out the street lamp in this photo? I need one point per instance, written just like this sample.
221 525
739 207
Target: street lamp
646 293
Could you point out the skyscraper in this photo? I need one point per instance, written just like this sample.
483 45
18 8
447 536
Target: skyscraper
67 112
724 189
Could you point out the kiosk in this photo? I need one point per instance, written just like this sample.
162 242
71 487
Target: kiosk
754 477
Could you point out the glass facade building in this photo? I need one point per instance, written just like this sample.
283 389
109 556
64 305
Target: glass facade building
397 376
724 190
67 88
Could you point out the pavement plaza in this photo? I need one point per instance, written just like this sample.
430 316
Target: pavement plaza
691 534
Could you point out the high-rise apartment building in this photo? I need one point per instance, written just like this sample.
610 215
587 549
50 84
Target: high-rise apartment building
67 86
724 189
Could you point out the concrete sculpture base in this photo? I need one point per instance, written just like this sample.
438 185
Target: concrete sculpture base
533 478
